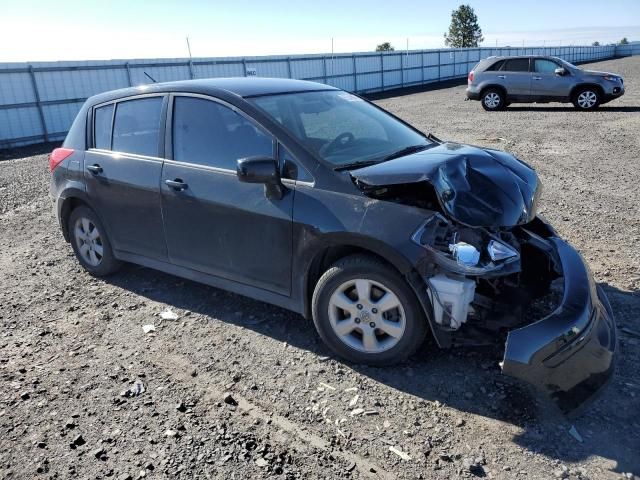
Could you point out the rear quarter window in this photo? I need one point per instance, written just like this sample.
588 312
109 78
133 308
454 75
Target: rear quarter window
495 66
103 119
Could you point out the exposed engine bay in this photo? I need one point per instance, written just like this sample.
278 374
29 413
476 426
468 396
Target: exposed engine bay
482 281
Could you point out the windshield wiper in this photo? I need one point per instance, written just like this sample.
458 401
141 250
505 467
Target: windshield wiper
359 164
406 151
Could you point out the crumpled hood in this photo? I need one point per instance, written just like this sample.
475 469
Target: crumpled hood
599 74
475 186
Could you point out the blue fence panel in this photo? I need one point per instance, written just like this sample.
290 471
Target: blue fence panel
38 101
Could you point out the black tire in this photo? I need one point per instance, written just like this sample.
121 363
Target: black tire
370 268
493 99
107 263
584 96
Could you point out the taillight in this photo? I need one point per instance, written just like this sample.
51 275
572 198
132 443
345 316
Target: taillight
471 76
57 156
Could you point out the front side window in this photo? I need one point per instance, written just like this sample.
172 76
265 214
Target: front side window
340 128
211 134
103 117
545 66
516 65
136 128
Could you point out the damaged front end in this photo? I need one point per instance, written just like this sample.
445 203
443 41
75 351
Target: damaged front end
494 271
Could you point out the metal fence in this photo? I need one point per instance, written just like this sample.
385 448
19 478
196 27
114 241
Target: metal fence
38 101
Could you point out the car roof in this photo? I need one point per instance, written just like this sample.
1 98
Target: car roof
239 86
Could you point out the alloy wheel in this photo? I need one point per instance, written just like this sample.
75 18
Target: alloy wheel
366 315
89 241
587 99
492 100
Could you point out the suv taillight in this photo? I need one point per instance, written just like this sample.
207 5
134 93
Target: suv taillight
57 156
471 76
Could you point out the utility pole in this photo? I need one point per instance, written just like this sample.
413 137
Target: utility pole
188 46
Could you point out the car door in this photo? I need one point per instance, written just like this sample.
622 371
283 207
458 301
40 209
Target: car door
546 83
516 78
214 223
122 173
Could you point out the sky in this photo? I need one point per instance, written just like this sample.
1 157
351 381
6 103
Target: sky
35 30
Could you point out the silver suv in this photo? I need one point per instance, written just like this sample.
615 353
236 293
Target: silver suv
499 81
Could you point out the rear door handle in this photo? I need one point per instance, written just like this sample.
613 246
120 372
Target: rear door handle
502 76
177 184
537 78
95 169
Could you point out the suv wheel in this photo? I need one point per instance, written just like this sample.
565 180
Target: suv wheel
493 99
586 99
365 312
90 243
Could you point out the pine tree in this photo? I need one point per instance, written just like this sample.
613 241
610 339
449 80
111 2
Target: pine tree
464 30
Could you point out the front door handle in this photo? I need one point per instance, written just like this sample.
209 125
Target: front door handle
95 169
537 78
502 76
177 184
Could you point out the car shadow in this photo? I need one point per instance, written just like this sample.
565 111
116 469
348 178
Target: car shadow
537 108
465 379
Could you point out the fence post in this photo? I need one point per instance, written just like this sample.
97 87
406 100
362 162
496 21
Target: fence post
244 66
439 55
422 66
382 71
324 69
126 65
191 70
34 84
355 73
289 67
402 68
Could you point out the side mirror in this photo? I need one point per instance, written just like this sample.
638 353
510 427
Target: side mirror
261 170
560 71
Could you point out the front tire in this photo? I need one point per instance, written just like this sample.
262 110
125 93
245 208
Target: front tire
493 99
587 98
90 243
365 311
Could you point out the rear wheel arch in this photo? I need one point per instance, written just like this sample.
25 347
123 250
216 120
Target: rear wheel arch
69 204
493 87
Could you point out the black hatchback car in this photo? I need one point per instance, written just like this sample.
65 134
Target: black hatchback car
311 198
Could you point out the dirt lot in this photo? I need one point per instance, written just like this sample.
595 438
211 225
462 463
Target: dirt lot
238 389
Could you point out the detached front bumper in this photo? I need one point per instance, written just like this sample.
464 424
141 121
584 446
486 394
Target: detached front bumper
570 354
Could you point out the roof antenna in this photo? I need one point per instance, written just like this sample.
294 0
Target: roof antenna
150 77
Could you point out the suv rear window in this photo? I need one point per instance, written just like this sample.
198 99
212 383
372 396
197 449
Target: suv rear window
136 128
516 65
495 66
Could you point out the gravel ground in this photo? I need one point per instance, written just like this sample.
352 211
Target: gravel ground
235 388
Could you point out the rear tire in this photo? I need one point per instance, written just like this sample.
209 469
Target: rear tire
90 243
365 312
587 98
493 99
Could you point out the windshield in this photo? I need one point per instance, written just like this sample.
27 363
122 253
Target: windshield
341 128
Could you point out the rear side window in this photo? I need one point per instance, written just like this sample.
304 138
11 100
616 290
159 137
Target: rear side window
211 134
545 66
103 118
136 128
516 65
495 66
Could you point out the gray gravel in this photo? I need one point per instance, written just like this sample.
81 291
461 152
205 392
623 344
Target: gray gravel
238 389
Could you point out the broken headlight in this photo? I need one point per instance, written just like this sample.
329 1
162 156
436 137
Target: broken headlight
467 250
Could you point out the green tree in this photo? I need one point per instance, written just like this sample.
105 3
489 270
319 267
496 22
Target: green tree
624 41
385 47
464 30
595 44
